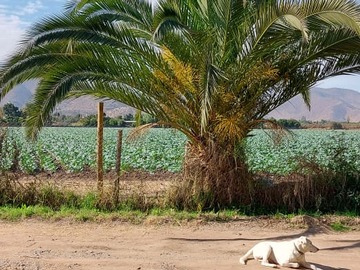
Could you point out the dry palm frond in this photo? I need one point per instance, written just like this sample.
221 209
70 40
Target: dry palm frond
138 132
276 131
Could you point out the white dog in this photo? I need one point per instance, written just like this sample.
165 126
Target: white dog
287 253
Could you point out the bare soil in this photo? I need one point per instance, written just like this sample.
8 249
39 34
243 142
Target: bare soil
34 245
86 181
48 245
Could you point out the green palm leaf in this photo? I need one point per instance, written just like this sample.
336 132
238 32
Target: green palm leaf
211 69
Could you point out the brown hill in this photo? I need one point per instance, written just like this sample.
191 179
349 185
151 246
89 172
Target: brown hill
333 104
23 93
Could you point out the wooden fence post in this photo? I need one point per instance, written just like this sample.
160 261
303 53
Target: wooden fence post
100 135
118 166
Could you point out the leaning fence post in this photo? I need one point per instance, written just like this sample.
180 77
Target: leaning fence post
118 166
100 135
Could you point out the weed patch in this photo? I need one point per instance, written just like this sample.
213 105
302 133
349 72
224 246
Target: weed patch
339 227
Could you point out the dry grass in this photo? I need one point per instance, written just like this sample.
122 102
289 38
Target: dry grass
319 191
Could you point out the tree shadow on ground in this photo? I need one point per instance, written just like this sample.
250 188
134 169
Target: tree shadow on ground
355 244
212 239
320 267
307 232
325 267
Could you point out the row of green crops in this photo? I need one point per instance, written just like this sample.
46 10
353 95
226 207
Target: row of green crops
73 149
329 149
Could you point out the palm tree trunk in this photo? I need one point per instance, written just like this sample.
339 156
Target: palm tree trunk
214 178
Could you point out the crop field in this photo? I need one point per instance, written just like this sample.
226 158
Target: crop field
327 148
74 149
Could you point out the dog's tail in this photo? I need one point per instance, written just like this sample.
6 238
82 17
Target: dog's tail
244 258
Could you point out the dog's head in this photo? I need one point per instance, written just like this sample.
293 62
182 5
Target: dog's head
305 245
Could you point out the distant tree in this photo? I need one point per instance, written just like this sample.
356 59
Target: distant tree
114 122
148 118
62 120
336 125
128 117
289 123
10 110
13 116
89 121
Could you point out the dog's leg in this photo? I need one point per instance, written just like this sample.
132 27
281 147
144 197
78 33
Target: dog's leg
292 265
244 258
266 256
309 266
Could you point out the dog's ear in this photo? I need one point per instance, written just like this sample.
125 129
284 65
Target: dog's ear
303 240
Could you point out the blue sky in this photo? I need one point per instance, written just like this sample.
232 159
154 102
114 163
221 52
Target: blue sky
17 15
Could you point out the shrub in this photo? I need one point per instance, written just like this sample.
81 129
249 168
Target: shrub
289 123
336 125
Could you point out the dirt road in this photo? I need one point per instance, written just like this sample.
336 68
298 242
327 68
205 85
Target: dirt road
33 244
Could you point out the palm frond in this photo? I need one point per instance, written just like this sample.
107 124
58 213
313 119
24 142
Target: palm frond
139 132
210 69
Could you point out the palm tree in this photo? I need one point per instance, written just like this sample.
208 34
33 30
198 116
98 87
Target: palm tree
210 69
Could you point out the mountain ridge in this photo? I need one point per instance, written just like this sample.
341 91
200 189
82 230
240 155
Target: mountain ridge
331 104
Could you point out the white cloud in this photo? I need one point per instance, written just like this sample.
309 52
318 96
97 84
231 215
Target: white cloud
13 22
12 30
30 8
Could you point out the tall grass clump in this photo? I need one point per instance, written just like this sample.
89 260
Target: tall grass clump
16 194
